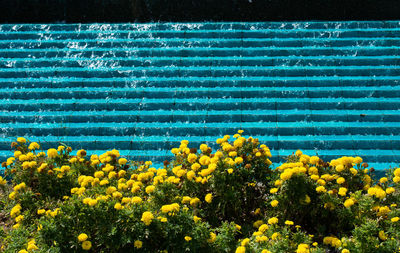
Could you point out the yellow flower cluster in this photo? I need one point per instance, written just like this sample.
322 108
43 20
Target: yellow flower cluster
114 183
31 247
333 241
170 209
3 181
303 248
147 218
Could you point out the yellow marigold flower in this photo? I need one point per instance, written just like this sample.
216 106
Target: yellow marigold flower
339 168
383 210
274 203
203 148
52 153
340 180
238 143
147 218
396 179
41 211
278 182
289 223
166 208
204 160
117 195
307 199
138 244
314 160
192 158
12 195
22 158
86 245
273 221
174 151
390 190
99 174
396 172
240 249
150 189
2 181
353 171
33 146
381 194
357 160
263 228
194 201
245 242
394 219
383 180
382 235
92 202
186 199
81 153
82 237
238 227
190 175
195 166
21 140
230 171
232 154
196 219
345 251
112 174
238 160
265 251
286 175
19 218
104 182
273 190
208 198
17 154
303 248
136 200
275 235
188 238
122 161
121 173
372 191
22 251
73 160
348 203
298 153
328 240
212 238
31 247
342 191
320 189
118 206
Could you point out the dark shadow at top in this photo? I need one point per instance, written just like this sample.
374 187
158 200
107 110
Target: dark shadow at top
113 11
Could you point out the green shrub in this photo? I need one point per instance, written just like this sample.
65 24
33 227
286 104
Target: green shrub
230 200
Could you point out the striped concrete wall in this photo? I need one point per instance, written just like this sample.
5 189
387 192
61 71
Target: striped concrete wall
330 88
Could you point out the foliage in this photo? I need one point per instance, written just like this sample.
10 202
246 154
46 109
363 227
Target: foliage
230 200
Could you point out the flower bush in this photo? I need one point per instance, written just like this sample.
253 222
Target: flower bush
230 200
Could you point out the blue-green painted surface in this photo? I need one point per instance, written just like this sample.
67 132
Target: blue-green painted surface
328 88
